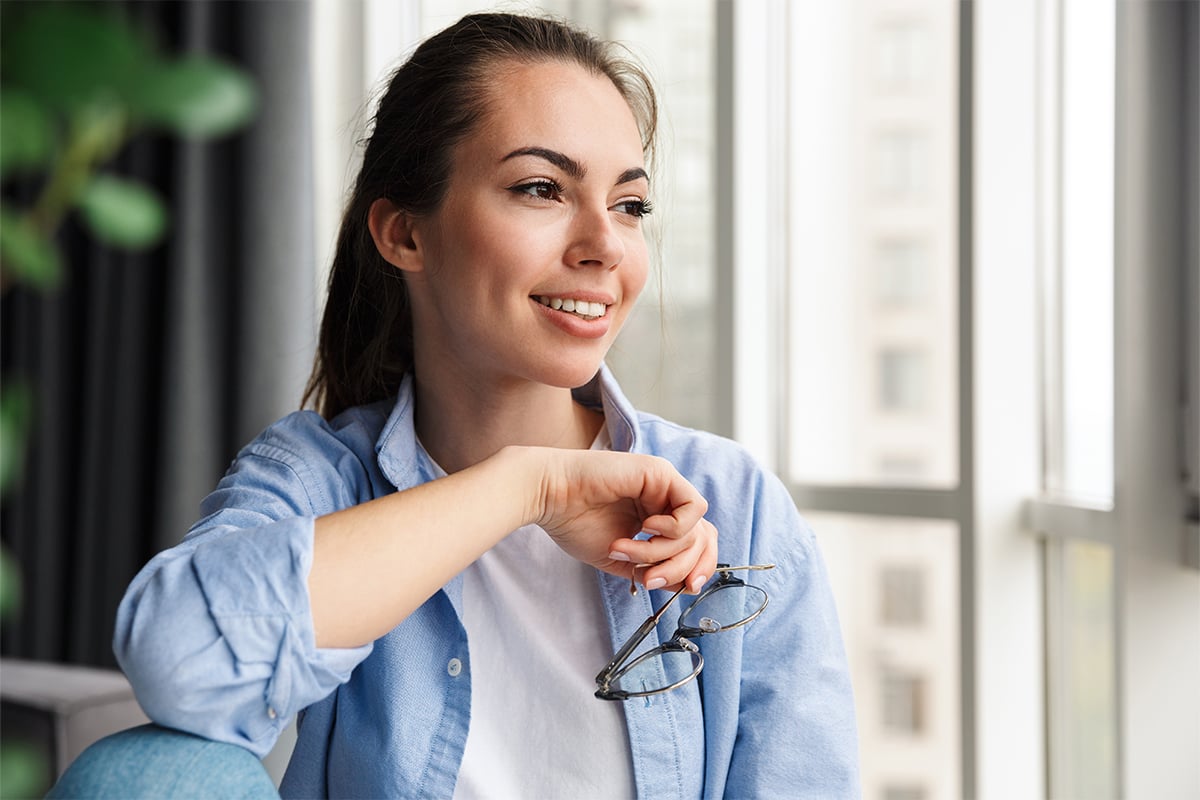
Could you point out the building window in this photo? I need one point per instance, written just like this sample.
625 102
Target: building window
902 468
903 56
903 702
903 378
903 272
902 596
902 164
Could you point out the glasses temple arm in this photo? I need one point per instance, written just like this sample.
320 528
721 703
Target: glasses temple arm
638 637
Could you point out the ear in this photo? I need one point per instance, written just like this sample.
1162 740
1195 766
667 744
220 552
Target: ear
392 230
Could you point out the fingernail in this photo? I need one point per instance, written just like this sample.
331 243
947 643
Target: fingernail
651 532
698 582
618 556
656 583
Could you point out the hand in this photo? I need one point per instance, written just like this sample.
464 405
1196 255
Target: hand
592 502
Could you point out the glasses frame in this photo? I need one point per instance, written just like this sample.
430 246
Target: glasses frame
680 641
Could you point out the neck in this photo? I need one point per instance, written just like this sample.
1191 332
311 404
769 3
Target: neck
460 423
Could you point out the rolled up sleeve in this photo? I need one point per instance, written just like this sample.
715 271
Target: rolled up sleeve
216 634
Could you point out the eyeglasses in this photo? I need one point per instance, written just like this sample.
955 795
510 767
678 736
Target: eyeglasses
728 603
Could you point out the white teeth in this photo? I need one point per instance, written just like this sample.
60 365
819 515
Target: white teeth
581 308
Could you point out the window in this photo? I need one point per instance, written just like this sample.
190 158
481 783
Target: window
901 165
907 468
903 378
902 590
871 214
1078 184
903 272
1078 268
1117 113
1062 172
903 702
861 199
1081 682
896 583
903 55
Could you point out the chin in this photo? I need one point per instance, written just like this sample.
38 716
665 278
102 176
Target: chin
567 376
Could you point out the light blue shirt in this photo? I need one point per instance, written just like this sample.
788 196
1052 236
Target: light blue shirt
217 639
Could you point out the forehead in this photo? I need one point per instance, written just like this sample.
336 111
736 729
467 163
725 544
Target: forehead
558 105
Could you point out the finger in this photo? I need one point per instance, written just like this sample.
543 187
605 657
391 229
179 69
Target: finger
650 547
670 574
650 551
677 523
705 567
690 566
680 506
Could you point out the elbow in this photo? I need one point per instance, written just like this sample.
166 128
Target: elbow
149 650
172 653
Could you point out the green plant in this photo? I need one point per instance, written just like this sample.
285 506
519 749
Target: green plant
77 82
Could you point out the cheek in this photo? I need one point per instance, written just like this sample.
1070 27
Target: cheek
637 272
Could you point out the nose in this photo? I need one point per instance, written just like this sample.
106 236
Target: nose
595 241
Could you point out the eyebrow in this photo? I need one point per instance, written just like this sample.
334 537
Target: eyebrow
570 166
632 175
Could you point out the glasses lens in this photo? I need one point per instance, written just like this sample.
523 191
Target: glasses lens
658 670
723 608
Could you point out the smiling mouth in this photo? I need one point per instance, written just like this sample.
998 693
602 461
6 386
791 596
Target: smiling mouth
580 308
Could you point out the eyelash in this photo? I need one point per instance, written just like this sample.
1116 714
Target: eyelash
638 208
525 188
634 208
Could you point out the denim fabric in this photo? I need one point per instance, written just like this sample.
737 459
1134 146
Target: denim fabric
216 634
154 762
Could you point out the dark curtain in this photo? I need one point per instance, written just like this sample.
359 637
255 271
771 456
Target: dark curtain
150 370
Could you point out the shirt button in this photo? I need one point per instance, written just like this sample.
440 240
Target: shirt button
454 667
271 713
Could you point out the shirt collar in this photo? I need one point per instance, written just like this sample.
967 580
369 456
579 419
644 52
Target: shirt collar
406 464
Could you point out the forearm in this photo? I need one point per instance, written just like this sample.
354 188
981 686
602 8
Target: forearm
376 563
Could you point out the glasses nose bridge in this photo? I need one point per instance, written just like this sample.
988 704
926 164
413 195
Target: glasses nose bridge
706 624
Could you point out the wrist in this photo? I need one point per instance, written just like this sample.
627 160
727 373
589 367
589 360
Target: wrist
518 468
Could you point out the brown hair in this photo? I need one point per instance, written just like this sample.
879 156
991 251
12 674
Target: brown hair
434 100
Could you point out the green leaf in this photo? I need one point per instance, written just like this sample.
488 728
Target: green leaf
24 770
197 97
25 132
26 255
16 413
123 213
70 55
10 587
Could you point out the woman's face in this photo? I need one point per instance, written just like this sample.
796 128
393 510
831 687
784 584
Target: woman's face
536 255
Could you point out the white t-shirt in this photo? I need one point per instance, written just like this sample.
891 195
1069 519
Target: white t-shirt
538 636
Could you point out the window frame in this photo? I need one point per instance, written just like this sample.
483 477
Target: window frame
1005 518
1154 265
760 371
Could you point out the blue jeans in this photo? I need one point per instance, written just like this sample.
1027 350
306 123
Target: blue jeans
150 761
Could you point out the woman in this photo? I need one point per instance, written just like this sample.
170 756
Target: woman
431 571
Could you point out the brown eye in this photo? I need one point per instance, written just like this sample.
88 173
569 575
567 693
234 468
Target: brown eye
544 190
634 208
